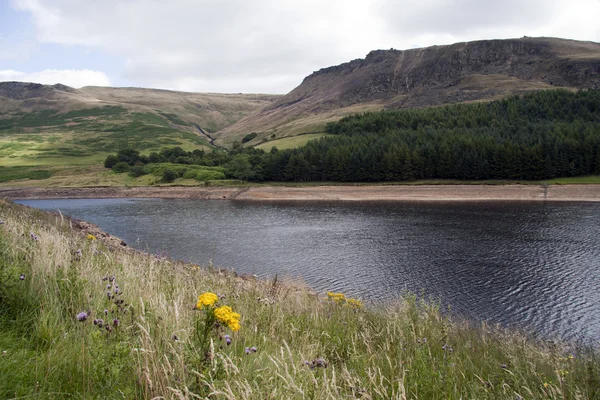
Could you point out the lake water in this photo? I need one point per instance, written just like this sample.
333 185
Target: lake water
531 265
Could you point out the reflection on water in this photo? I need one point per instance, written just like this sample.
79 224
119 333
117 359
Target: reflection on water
531 265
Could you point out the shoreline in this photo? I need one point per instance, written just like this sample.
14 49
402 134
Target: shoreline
576 192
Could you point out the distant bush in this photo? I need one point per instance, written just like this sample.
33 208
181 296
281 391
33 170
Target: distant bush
181 171
249 137
120 167
137 171
110 161
190 174
130 156
205 175
169 175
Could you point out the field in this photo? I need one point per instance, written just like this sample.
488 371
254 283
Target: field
85 136
290 142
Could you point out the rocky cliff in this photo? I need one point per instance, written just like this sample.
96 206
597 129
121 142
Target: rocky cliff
430 76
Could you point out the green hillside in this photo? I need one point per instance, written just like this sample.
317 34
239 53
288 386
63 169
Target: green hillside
64 134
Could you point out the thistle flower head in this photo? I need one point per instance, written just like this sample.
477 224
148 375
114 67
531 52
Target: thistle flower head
82 316
22 277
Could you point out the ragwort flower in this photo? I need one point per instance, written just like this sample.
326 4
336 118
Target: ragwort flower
337 297
206 299
225 315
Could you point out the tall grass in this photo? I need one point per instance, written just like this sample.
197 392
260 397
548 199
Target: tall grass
307 347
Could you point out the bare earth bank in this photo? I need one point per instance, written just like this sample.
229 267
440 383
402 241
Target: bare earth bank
343 193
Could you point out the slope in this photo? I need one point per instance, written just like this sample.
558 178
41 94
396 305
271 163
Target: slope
48 125
462 72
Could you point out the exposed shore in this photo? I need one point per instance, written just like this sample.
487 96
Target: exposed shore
323 193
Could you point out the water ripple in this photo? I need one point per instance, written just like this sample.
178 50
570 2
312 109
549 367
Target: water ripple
529 265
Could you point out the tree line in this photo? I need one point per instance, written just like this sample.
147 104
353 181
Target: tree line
541 135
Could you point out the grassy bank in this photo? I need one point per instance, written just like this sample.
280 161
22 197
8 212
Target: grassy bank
306 345
97 175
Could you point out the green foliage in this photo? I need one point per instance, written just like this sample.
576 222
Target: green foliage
53 117
169 175
14 173
120 167
110 161
137 171
190 174
130 156
209 175
537 136
240 168
249 137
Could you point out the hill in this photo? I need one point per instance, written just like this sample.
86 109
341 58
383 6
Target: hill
49 125
431 76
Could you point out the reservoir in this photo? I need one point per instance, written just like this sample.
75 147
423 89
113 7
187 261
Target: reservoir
533 266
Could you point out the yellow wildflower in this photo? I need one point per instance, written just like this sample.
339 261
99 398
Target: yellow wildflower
337 297
207 299
91 237
235 326
546 384
226 316
354 303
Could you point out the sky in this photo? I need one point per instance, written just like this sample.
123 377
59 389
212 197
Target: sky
250 46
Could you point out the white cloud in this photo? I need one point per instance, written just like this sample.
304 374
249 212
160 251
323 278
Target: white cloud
429 22
271 45
69 77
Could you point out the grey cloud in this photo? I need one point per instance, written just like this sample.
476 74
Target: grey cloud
460 17
243 45
194 41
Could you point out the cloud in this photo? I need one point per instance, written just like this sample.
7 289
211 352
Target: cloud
458 17
271 45
73 78
446 21
210 44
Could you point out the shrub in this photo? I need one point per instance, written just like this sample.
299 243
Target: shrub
169 175
190 174
181 171
121 167
205 175
249 137
110 161
137 171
